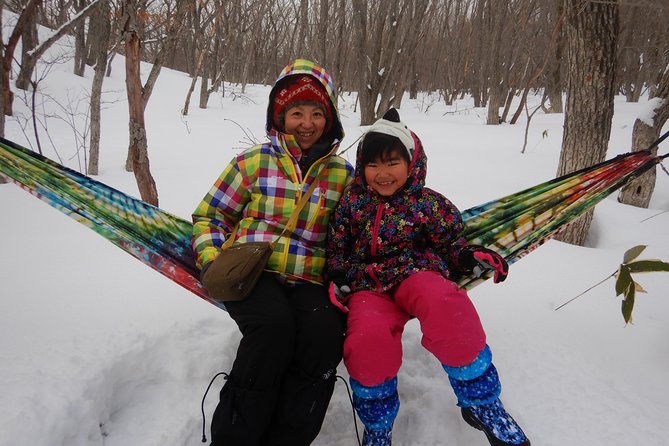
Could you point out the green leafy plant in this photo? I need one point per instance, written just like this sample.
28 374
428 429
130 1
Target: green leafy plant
625 284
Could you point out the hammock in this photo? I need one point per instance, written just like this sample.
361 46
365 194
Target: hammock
513 225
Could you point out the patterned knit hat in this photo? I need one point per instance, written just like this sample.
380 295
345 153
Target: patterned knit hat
390 125
301 88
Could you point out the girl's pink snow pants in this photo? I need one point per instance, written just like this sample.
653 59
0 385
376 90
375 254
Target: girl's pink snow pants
449 322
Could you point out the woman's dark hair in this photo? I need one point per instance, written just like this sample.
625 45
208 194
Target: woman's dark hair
381 146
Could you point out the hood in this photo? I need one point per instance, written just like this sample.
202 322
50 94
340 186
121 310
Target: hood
417 169
304 66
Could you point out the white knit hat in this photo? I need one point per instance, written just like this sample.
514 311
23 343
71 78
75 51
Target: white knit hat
390 125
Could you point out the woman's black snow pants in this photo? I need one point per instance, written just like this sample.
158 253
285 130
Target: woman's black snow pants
284 373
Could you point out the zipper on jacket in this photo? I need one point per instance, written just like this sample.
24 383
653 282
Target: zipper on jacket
294 177
372 274
307 206
375 229
375 237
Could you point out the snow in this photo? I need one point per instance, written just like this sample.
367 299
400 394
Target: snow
98 349
647 116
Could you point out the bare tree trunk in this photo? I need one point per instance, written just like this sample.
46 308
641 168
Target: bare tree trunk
497 85
102 41
8 54
414 79
507 105
93 35
200 65
23 78
212 67
177 22
366 97
386 39
592 32
79 42
535 77
639 192
303 27
204 89
339 53
138 143
495 101
198 68
323 33
554 82
29 37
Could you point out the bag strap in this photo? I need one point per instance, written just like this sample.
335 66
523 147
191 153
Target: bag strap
293 217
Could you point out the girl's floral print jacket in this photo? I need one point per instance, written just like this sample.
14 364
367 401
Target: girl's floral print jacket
377 242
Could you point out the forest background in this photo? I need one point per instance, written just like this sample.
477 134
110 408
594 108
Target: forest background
582 52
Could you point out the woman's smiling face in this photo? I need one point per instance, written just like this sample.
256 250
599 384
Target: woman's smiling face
306 123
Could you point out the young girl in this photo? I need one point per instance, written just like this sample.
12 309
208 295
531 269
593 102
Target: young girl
394 251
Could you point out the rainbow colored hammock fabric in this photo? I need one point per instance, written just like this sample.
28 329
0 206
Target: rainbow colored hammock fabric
513 225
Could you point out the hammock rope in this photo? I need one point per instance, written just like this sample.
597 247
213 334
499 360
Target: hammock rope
513 225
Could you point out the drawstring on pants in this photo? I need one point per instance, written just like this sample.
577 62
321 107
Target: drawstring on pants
204 436
204 397
350 398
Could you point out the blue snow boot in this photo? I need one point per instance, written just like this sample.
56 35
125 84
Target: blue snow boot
477 388
377 407
496 424
376 437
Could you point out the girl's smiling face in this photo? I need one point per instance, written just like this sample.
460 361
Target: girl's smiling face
387 176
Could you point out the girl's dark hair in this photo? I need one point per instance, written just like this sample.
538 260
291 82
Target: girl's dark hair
381 146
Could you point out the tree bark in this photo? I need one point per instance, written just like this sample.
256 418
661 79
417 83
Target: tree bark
79 42
323 33
592 31
102 41
176 24
29 37
8 55
495 101
540 70
198 68
364 88
639 191
212 69
23 78
387 37
173 34
138 143
554 77
495 14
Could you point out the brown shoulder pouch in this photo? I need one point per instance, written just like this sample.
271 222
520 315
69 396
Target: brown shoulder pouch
236 270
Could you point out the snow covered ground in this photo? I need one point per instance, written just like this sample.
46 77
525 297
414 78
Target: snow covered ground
98 349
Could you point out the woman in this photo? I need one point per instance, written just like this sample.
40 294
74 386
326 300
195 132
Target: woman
292 336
